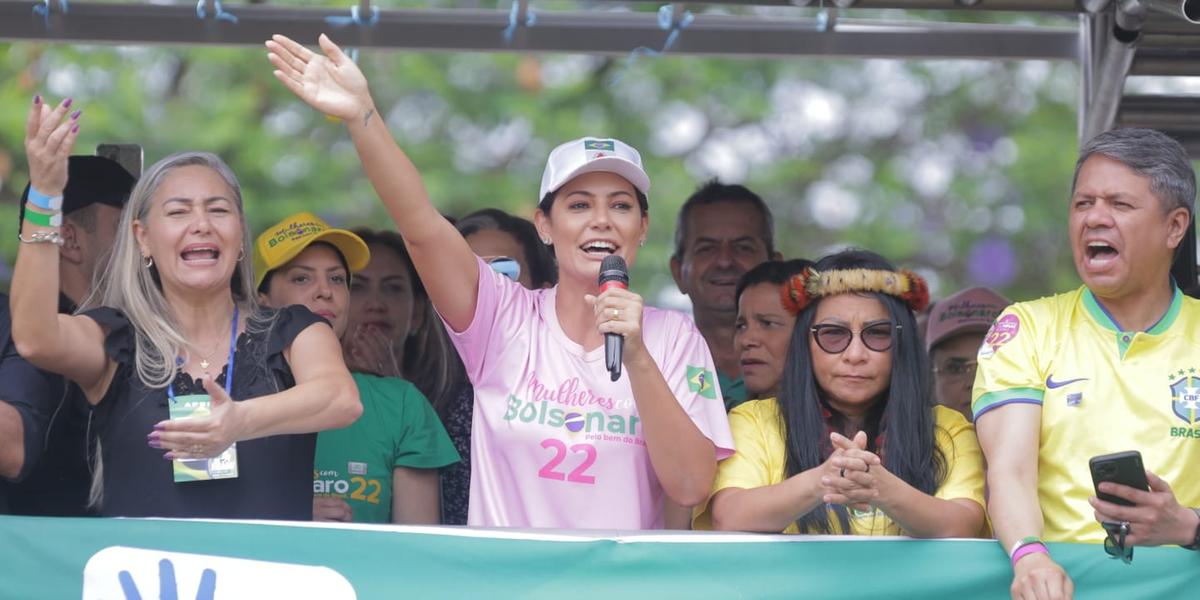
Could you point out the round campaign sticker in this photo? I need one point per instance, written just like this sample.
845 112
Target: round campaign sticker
1002 332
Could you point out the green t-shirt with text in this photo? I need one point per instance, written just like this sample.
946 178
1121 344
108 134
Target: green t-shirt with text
398 428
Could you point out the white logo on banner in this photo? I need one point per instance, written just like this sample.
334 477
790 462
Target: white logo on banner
122 573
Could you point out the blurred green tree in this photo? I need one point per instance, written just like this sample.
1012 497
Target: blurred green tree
960 169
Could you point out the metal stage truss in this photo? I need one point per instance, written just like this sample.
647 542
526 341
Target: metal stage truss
1111 40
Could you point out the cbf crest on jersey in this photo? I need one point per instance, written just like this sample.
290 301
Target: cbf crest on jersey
1185 395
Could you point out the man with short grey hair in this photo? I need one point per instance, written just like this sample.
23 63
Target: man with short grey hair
1110 367
723 230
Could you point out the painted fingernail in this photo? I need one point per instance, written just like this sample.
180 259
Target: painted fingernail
155 444
37 99
75 129
159 426
169 456
75 115
67 103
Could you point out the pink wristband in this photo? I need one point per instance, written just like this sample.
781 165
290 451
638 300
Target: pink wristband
1028 549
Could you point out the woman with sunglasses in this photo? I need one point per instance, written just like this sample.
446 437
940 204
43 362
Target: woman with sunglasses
555 441
855 444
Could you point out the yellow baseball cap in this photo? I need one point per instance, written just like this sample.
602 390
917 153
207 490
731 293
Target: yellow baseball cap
283 241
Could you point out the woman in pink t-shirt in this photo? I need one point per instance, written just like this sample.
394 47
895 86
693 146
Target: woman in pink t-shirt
555 442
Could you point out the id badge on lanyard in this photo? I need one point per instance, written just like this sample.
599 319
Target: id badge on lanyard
224 465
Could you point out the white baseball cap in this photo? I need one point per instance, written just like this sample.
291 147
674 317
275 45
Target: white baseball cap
589 155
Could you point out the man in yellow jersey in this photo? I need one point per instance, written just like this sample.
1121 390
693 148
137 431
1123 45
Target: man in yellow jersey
1109 367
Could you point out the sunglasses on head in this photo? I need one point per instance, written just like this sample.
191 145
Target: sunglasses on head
834 339
508 267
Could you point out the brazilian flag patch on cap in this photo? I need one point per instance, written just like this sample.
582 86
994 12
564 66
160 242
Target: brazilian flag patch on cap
700 380
603 145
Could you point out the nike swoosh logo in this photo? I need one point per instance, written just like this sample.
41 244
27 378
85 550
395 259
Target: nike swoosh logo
1053 385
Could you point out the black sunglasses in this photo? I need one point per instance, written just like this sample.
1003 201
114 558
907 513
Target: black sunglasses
1114 542
834 339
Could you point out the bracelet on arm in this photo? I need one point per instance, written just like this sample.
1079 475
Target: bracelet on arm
1027 549
44 219
42 237
44 202
1195 545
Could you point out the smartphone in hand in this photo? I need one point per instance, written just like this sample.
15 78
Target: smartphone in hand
1124 468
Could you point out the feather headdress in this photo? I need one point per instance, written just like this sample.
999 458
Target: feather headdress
810 285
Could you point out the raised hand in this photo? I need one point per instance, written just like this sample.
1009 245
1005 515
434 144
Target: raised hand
330 83
49 137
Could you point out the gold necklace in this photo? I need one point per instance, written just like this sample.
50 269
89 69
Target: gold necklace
204 364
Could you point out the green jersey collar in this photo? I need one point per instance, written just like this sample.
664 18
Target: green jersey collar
1106 320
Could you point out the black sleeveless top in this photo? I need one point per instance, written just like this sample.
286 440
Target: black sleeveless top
275 474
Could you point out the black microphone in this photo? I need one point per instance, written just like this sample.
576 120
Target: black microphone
613 273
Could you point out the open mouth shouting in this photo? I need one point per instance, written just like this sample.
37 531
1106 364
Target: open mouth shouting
200 255
1100 254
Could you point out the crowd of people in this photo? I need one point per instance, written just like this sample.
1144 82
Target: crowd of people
158 360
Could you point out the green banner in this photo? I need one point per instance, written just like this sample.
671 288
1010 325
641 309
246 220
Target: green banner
127 559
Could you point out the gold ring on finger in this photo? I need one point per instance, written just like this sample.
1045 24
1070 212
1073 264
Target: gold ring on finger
616 313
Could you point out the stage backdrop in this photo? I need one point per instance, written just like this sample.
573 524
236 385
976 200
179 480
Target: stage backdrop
123 559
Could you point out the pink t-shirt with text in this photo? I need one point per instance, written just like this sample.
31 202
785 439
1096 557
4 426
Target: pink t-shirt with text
555 443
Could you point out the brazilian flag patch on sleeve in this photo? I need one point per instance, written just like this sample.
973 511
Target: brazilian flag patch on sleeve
700 380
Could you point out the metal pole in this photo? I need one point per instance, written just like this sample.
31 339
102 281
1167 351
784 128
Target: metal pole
594 33
1088 46
1112 63
1188 10
1060 6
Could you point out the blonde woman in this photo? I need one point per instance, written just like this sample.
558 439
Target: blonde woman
174 329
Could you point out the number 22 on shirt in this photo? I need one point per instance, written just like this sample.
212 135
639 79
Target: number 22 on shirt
559 452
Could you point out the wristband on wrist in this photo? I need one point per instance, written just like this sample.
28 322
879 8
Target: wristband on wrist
1027 549
44 219
1025 541
44 202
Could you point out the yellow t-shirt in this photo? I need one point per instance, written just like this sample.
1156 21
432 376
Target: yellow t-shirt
761 460
1101 390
